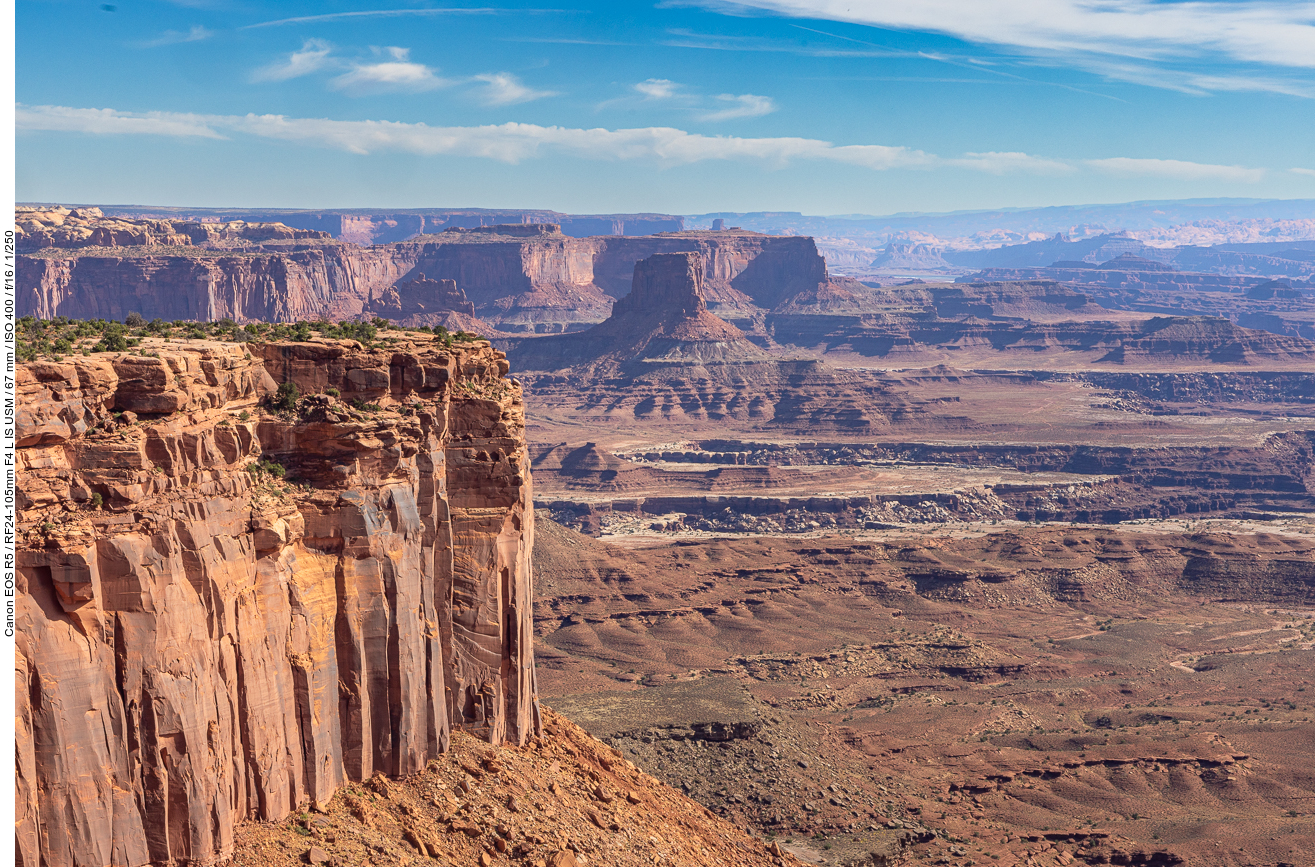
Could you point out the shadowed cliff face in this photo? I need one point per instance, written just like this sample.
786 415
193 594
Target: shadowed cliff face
202 640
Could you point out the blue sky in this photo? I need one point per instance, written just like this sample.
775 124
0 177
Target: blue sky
821 106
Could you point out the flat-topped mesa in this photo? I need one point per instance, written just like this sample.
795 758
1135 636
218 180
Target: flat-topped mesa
664 321
67 228
230 601
510 230
667 301
668 298
422 301
667 283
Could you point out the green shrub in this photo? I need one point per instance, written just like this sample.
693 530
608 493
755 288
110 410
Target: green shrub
332 392
266 467
287 397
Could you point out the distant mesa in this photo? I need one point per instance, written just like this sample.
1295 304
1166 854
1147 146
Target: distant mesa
510 230
911 256
77 228
1205 338
421 301
1133 262
679 362
667 298
526 277
1271 290
665 318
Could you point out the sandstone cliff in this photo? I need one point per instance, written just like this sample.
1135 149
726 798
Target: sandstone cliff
421 301
204 639
39 228
333 281
662 356
520 278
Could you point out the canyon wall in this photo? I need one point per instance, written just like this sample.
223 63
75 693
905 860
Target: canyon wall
521 279
371 227
333 281
226 611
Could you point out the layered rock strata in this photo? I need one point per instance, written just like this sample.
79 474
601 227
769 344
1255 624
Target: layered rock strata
66 228
663 356
520 278
421 301
202 639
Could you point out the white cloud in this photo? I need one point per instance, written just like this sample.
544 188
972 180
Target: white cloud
1267 32
503 88
397 74
657 88
175 37
508 142
1310 172
107 121
516 142
312 57
999 163
745 105
1176 169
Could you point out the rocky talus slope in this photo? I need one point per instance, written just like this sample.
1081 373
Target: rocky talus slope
562 800
227 611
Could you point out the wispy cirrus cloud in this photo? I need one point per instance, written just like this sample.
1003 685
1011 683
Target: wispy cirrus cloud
379 13
1177 169
657 88
313 56
744 105
1308 172
177 37
517 142
396 74
1194 46
503 88
1267 32
725 106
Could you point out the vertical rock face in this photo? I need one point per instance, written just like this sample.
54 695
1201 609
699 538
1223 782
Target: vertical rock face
202 642
524 279
668 284
334 281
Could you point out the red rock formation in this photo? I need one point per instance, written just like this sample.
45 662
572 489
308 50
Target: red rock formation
678 361
201 642
324 281
668 301
421 301
38 229
528 279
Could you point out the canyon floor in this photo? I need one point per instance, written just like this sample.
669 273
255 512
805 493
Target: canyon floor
1037 621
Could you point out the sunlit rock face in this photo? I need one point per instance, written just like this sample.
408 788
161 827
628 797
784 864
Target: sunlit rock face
202 640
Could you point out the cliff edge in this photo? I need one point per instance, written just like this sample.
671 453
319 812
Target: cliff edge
233 600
